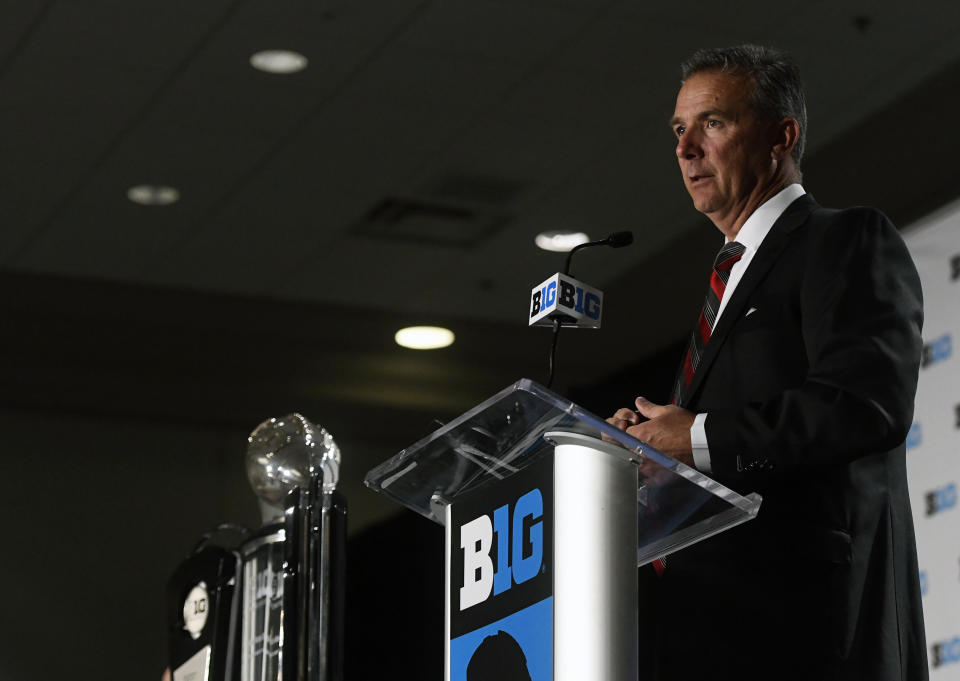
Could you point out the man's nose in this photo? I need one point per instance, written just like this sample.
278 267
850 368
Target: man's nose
688 146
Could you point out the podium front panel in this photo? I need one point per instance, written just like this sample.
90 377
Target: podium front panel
500 579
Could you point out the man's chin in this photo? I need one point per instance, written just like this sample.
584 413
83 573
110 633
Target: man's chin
704 198
705 204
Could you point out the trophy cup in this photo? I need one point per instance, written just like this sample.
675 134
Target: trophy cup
279 595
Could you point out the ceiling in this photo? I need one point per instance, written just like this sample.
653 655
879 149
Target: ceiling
524 115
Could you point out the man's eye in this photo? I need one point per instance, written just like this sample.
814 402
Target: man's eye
680 130
713 123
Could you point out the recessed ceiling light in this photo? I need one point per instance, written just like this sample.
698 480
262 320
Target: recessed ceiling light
153 195
424 337
278 61
560 241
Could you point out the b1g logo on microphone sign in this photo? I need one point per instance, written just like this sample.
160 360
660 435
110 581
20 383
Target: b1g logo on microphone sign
519 549
563 297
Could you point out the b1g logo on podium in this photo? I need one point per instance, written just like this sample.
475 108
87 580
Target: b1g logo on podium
500 577
567 299
519 549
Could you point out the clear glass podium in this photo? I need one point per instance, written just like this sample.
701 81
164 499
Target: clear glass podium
548 510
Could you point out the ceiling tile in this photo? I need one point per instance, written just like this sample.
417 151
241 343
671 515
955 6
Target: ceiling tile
520 33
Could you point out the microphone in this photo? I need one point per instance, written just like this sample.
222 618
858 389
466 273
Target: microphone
562 300
615 240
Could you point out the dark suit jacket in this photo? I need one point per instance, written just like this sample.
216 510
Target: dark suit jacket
809 400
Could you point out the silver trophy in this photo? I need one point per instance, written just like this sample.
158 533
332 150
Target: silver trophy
270 609
291 625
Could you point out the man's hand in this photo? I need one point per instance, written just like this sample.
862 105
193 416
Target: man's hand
667 427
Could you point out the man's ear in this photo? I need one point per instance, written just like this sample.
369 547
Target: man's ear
786 134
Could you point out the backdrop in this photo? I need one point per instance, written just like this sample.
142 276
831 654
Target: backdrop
934 440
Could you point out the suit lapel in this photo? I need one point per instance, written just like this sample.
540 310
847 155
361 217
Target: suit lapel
771 248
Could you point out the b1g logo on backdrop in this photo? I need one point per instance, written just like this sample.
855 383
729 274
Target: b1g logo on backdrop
915 436
955 268
945 652
937 350
942 499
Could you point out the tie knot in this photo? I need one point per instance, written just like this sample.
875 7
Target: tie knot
728 256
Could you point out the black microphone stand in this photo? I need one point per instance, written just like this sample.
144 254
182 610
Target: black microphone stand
615 240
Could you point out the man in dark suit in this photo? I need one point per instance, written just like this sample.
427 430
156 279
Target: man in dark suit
798 384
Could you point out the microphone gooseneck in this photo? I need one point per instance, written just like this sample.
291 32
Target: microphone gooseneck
615 240
553 352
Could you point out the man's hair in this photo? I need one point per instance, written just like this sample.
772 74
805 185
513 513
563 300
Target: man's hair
777 88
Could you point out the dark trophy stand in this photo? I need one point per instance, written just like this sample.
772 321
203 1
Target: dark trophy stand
548 511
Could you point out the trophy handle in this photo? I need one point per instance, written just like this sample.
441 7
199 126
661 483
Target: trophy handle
296 570
314 570
327 582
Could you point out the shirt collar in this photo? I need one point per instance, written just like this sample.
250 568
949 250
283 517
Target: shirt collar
759 223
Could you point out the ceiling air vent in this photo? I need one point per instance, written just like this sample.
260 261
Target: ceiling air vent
474 188
429 222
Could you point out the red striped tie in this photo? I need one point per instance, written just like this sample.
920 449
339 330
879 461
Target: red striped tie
724 262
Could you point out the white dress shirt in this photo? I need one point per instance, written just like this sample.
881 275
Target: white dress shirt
751 235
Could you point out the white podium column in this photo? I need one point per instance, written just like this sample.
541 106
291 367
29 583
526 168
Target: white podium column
595 562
